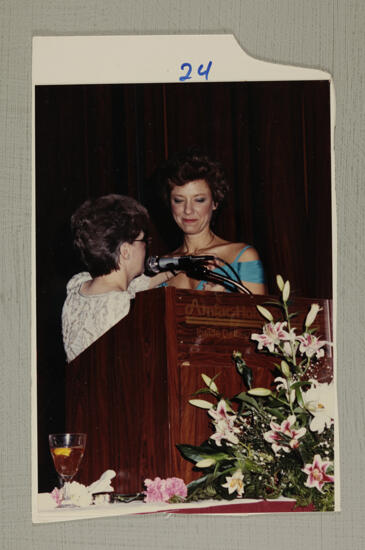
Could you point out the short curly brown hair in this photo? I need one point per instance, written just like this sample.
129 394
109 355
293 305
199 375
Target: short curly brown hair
192 165
101 225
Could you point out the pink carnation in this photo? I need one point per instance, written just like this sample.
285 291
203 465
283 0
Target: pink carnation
163 490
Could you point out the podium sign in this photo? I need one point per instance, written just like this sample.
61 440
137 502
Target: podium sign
129 390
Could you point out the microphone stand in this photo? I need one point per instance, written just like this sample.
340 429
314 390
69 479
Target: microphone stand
201 272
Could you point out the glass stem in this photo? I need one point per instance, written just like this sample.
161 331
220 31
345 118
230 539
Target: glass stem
66 490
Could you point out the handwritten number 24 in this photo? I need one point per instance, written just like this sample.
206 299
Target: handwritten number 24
201 71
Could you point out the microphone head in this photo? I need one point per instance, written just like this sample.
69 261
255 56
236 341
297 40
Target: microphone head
151 265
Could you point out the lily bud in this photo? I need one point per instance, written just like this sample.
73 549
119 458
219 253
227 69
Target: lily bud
259 392
201 403
280 282
210 383
285 369
312 315
265 313
205 463
286 291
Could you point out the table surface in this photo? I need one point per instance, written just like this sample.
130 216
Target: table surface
48 512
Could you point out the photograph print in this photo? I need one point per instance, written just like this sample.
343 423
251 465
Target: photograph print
184 290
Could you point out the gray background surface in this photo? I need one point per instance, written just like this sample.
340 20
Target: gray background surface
321 34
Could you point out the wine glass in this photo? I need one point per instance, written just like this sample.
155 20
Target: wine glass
67 451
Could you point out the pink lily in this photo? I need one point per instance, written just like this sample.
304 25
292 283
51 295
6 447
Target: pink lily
311 345
317 475
273 335
224 424
275 436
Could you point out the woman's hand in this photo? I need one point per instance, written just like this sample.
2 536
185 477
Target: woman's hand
160 278
215 287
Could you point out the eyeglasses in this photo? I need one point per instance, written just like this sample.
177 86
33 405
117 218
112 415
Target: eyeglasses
146 240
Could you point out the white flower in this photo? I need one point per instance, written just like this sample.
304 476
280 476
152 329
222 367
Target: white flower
319 401
79 494
235 483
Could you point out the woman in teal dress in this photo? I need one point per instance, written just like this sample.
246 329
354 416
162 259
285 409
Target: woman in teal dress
194 188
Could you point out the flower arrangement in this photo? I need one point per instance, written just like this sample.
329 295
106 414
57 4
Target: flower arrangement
271 442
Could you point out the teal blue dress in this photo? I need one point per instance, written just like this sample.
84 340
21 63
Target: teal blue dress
250 272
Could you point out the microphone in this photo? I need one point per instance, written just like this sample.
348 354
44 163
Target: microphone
155 264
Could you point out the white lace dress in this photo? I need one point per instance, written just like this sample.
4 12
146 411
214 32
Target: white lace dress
86 317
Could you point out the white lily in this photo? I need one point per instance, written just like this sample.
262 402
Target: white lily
319 401
235 483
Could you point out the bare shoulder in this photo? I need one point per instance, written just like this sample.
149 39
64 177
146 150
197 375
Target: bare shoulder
248 255
241 251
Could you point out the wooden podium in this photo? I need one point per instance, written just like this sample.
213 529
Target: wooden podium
129 390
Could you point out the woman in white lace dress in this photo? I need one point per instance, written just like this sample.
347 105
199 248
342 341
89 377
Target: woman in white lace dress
110 233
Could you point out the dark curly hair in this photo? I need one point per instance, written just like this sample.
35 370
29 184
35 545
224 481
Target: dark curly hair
192 165
101 225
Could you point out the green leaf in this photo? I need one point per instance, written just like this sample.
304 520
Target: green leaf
210 383
192 453
275 303
298 395
276 412
299 384
201 403
247 399
202 390
197 484
195 454
251 466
